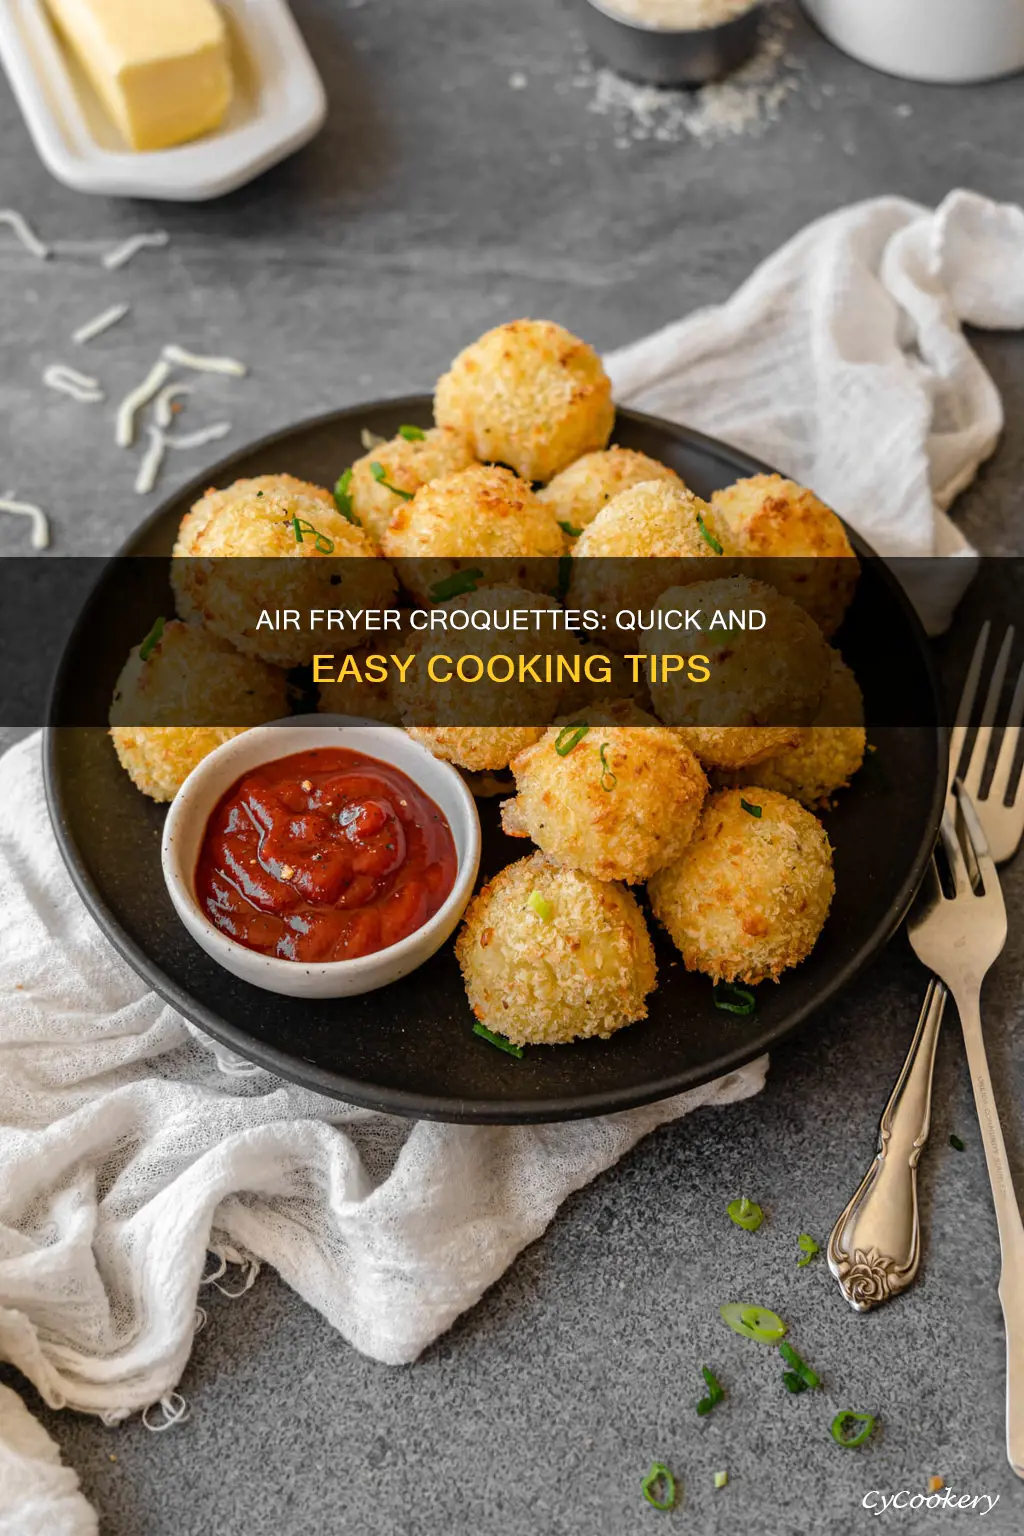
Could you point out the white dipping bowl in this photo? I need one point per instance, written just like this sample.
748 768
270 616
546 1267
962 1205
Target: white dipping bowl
209 780
957 42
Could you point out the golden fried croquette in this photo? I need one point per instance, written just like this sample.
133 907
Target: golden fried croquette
830 751
767 518
189 676
577 962
406 463
481 513
578 494
620 803
259 521
765 684
528 394
478 748
751 893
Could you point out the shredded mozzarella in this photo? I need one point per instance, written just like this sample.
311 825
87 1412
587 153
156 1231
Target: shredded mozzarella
25 233
201 436
68 381
163 409
202 364
142 394
151 462
101 323
128 248
40 525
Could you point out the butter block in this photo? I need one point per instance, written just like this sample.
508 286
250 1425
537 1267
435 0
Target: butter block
162 68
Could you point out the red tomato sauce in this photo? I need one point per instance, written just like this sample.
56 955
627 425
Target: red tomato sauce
324 855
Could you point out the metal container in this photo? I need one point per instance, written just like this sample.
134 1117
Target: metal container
661 56
950 41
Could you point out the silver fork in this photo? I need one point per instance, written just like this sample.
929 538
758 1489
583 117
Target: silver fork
875 1247
960 937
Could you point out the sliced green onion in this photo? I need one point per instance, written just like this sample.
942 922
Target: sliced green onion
954 1141
380 474
152 640
751 810
721 1478
793 1383
412 434
809 1248
343 496
707 535
608 778
498 1040
809 1377
733 999
715 1391
745 1213
847 1441
455 585
323 545
752 1322
569 530
539 904
659 1473
568 737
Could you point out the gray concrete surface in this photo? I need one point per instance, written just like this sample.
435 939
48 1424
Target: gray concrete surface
439 200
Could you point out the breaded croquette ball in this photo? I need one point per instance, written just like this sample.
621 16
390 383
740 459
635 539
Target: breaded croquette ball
478 748
830 751
767 518
550 955
406 462
528 394
616 800
262 544
751 893
764 685
578 494
482 513
161 704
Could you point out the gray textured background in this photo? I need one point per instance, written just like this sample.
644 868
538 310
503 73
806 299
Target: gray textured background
439 200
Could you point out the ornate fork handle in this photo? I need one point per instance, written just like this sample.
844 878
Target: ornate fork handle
875 1246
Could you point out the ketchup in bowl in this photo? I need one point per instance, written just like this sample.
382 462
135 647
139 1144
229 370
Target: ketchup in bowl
324 855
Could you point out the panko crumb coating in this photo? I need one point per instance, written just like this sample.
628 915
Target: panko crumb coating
750 895
578 493
830 752
478 748
481 513
188 675
621 804
255 519
765 518
765 685
529 394
586 969
408 464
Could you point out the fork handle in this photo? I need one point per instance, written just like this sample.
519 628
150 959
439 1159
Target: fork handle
875 1246
1008 1221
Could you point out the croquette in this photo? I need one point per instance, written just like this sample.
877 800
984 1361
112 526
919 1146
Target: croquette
359 695
481 513
227 568
528 394
769 519
578 494
765 684
405 462
550 955
752 891
616 797
188 676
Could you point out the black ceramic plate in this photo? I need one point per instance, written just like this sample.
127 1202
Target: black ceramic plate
409 1048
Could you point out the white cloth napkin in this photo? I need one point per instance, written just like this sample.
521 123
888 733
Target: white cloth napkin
38 1497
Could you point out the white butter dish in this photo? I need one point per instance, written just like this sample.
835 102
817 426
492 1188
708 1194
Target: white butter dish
279 104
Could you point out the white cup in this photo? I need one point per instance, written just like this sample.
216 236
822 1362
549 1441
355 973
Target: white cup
951 41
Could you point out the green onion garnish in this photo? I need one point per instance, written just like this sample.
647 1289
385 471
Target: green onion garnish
455 585
539 904
793 1383
808 1377
809 1248
569 530
715 1391
323 545
343 496
732 999
752 1322
152 640
412 434
745 1213
498 1040
380 474
721 1478
608 778
568 737
954 1141
707 535
659 1474
841 1420
751 810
